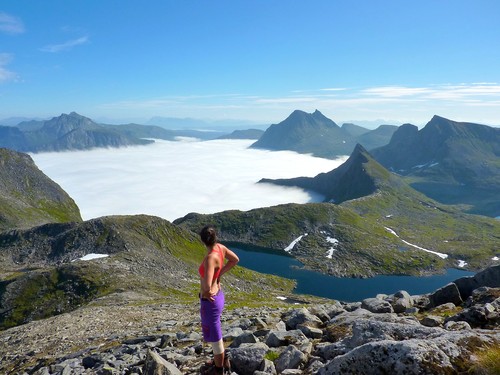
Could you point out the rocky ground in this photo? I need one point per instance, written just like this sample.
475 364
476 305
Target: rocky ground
439 333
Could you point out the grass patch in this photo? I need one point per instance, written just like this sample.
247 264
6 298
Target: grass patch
487 362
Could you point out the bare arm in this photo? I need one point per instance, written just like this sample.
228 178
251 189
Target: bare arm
232 260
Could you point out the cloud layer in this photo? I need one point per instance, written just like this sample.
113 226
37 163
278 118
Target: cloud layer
171 179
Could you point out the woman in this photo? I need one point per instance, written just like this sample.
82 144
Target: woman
212 297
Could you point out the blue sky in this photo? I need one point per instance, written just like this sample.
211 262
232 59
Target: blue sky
393 61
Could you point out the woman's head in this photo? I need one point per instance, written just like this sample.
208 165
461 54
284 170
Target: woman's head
208 235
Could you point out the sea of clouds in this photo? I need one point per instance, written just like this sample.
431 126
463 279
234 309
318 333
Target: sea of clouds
170 179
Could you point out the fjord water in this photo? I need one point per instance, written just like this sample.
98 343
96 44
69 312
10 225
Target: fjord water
343 289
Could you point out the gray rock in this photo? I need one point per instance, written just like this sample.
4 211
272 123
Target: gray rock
280 326
244 338
267 367
258 323
248 358
320 312
456 326
412 357
156 365
232 333
364 331
311 332
446 294
301 316
432 321
290 358
403 294
376 305
351 306
401 305
168 340
489 277
421 301
412 310
284 338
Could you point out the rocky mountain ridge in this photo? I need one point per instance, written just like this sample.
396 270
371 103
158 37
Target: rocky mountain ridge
316 134
65 132
444 332
452 162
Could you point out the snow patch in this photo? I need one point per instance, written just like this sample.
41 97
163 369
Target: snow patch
281 298
462 263
495 258
441 255
334 242
92 256
293 243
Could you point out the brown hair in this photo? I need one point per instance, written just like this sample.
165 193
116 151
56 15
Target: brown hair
208 235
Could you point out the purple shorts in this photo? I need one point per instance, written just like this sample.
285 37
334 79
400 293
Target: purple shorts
210 313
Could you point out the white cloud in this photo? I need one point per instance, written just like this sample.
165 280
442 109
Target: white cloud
171 179
53 48
10 24
5 74
472 102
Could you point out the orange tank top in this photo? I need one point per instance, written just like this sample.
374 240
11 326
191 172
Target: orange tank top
201 270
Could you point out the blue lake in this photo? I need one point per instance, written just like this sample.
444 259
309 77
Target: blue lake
344 289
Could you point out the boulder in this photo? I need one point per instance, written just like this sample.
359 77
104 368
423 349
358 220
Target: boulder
267 367
456 326
446 294
489 277
290 358
432 321
301 316
156 365
244 338
284 338
248 358
411 357
376 305
311 332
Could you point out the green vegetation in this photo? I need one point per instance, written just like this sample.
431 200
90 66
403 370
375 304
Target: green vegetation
44 293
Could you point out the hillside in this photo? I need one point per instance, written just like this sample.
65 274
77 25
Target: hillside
380 226
65 132
28 197
43 271
452 162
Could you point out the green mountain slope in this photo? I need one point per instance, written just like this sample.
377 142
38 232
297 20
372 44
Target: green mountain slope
28 197
42 273
378 227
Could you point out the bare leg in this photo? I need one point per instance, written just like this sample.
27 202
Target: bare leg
219 359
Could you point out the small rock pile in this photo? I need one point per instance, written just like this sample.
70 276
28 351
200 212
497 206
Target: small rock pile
366 337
